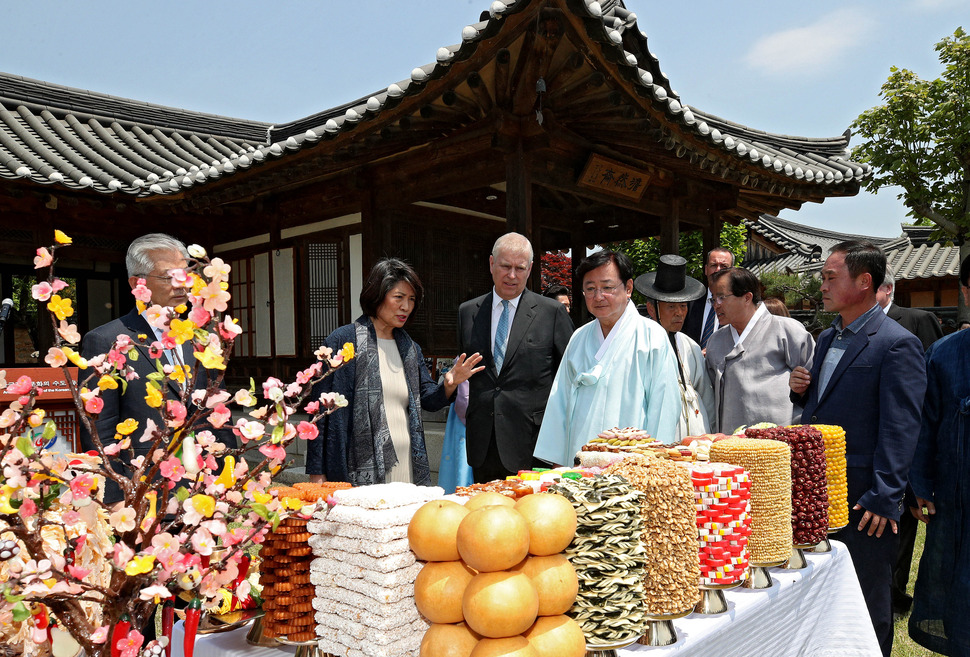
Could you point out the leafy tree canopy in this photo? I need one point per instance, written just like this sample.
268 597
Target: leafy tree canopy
645 253
919 139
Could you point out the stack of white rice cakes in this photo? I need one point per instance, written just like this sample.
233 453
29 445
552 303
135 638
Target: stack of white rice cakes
364 572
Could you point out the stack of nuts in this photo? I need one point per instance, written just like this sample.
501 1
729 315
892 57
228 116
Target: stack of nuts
769 464
809 495
670 583
494 580
835 474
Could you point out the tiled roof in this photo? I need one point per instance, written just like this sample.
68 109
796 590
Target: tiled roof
80 139
807 247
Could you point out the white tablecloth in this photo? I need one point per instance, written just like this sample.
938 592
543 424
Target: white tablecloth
816 611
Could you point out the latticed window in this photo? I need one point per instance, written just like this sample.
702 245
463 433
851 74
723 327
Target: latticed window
324 290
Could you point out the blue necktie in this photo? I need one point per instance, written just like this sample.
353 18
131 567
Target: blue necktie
501 333
708 329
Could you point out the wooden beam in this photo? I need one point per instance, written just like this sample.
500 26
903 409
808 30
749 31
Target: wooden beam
670 230
518 190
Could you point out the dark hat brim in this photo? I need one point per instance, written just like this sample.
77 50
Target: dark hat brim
693 289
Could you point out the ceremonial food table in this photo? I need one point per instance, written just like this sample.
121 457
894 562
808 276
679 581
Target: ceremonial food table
818 610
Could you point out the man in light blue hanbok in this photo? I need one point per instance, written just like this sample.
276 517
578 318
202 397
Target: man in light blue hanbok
618 371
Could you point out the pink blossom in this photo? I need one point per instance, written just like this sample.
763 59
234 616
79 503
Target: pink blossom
149 433
94 405
21 386
217 398
123 520
155 350
72 517
199 316
141 291
202 541
81 487
172 468
180 278
307 430
269 384
229 328
312 407
43 258
216 299
113 449
77 573
69 332
272 451
154 591
307 375
42 291
217 270
27 508
168 342
175 413
131 644
122 554
55 357
219 416
57 285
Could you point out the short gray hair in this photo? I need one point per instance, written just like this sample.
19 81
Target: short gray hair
513 243
139 260
890 280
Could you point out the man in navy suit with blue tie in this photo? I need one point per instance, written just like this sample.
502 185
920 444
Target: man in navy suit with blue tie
701 319
868 376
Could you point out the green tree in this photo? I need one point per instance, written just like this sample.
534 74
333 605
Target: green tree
800 291
919 139
645 253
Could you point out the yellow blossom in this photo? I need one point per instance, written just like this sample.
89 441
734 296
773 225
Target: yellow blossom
154 397
182 330
227 477
211 360
197 284
348 351
262 498
293 503
204 504
60 307
61 238
75 358
181 308
140 305
180 373
140 565
107 383
127 427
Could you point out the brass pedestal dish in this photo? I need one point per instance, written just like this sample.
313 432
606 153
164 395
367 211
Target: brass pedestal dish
759 577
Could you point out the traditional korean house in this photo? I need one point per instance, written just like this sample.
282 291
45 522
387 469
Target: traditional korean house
927 270
551 118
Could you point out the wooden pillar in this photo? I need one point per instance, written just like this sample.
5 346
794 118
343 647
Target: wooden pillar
578 312
518 207
670 230
370 233
711 234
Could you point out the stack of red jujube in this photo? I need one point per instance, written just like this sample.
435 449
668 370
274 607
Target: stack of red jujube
722 496
809 516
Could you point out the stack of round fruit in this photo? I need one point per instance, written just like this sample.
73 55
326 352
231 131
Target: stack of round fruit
835 474
722 494
809 494
494 581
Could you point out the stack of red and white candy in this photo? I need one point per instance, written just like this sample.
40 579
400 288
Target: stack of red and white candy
722 495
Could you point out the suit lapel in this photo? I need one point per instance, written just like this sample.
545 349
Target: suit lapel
524 315
138 325
481 333
857 346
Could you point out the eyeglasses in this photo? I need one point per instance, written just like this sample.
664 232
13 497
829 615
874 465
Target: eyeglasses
718 299
590 292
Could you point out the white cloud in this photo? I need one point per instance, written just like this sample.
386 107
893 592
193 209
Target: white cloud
814 47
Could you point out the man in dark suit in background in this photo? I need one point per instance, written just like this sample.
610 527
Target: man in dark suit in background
926 327
701 319
151 257
522 336
868 376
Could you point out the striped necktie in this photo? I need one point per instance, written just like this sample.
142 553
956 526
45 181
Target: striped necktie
501 333
708 328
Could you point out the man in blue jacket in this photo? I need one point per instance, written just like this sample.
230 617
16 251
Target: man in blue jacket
868 376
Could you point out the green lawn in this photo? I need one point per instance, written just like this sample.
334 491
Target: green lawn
903 646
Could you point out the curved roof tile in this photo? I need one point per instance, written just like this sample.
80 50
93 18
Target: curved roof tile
84 139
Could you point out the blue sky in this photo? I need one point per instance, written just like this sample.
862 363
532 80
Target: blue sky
803 69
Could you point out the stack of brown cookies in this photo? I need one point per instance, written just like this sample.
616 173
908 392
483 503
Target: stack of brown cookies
285 576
